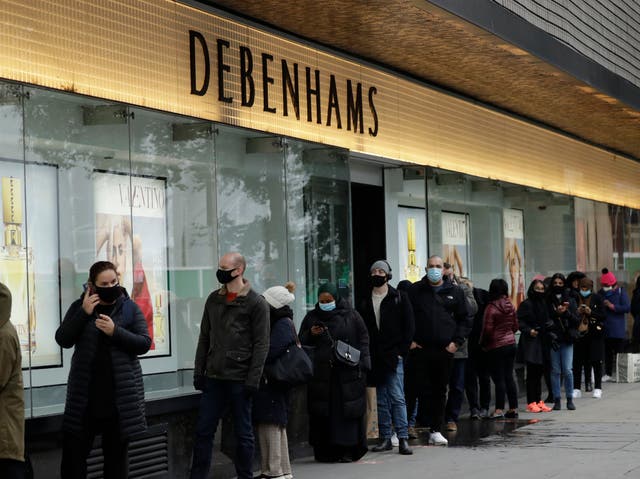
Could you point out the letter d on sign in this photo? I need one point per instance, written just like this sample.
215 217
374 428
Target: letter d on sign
193 36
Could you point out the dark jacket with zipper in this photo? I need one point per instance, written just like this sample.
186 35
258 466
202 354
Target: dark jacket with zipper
440 317
234 337
130 339
270 403
594 337
393 337
565 325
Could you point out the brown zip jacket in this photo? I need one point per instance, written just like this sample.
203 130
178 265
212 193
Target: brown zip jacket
11 390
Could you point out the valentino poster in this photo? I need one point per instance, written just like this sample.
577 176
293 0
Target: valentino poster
455 241
131 232
513 231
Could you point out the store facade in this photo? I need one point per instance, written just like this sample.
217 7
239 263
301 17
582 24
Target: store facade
159 135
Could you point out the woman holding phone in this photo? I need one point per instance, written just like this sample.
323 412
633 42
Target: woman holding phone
336 395
105 393
563 313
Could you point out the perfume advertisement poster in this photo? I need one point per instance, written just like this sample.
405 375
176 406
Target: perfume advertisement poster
513 231
24 269
131 233
412 241
455 241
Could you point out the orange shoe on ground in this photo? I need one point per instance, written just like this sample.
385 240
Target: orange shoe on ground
533 407
543 407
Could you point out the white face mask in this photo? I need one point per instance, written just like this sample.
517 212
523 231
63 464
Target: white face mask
607 288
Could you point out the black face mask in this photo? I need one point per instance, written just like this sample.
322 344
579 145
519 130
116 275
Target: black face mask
537 295
224 276
109 294
377 281
558 289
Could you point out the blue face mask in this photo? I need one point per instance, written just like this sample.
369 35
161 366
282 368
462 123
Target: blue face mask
585 294
327 306
434 274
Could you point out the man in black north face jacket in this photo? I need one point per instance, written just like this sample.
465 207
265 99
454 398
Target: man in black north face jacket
442 325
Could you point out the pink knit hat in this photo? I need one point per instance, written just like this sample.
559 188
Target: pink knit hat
607 278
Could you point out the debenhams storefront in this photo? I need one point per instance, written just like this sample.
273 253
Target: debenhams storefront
158 136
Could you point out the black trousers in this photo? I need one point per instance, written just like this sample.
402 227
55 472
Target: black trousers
477 381
76 449
11 469
534 386
612 346
435 364
501 360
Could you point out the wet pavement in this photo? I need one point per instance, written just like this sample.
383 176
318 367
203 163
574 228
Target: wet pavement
601 439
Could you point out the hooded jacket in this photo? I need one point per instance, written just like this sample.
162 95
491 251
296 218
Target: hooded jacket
499 324
234 337
130 339
11 391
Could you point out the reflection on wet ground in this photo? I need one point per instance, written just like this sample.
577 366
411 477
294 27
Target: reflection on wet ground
482 433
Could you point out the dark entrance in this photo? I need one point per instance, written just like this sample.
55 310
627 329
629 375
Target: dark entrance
368 233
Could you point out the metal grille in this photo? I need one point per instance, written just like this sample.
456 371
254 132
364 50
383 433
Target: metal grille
148 456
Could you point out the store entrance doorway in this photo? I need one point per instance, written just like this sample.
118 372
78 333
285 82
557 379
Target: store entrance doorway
368 233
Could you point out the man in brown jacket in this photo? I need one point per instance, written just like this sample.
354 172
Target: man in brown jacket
11 394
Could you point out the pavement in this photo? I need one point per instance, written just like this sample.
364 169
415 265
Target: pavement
600 439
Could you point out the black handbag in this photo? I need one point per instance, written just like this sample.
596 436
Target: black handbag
346 354
293 367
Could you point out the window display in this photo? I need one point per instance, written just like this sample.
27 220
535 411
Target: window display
513 230
455 242
412 253
131 229
35 309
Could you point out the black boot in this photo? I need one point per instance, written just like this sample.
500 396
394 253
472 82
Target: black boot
403 447
385 445
557 406
570 405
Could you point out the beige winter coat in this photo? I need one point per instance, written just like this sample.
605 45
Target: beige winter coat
11 390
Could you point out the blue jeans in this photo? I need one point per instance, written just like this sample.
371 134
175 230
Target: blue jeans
456 390
216 399
562 361
390 397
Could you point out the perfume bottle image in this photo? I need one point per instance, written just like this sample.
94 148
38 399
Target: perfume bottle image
412 271
16 265
158 321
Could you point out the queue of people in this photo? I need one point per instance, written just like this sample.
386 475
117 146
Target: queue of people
421 346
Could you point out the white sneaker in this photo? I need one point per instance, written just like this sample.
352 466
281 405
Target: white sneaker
597 393
577 393
394 440
606 378
437 439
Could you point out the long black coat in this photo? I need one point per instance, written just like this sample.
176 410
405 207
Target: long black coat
534 315
130 339
270 404
336 394
394 335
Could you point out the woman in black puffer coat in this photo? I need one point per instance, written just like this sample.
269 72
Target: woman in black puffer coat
336 395
105 393
271 402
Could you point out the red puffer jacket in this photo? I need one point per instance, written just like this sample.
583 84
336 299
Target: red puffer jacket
499 325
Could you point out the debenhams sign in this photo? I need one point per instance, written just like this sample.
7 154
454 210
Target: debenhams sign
285 87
